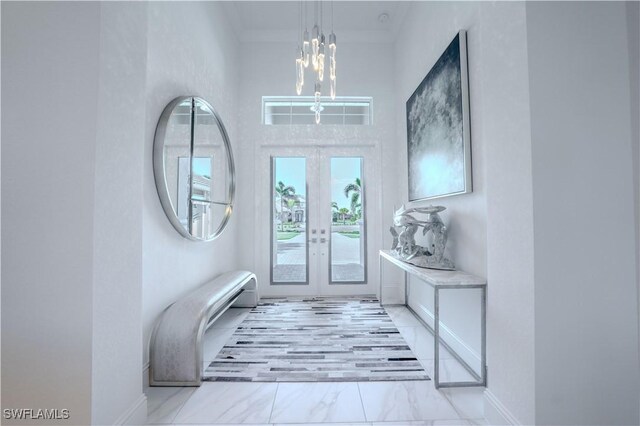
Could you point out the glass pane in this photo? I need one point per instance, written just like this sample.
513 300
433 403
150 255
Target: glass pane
207 218
348 236
210 158
331 119
280 119
355 119
177 147
333 109
303 119
289 225
302 109
280 109
209 174
357 109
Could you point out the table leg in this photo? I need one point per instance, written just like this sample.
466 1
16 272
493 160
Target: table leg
380 278
483 331
406 288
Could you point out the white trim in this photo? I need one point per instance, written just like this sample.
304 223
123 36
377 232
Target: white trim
136 414
465 351
495 412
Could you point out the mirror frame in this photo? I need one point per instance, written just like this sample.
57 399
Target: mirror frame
159 168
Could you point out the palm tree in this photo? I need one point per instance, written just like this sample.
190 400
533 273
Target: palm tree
358 211
286 192
291 203
354 190
343 212
335 207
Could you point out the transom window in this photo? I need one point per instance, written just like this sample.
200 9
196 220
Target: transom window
278 110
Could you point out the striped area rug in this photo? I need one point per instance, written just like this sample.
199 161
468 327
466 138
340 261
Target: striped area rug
316 339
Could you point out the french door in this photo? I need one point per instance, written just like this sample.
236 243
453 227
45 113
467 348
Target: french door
319 207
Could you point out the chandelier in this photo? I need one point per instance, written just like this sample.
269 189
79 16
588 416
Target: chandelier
312 52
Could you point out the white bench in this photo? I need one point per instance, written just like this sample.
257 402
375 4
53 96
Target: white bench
175 351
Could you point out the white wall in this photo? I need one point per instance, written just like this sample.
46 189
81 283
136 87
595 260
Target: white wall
75 88
633 29
427 31
87 83
586 293
491 228
510 260
268 69
50 65
191 51
465 217
117 262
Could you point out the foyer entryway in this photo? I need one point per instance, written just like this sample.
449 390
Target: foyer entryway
362 403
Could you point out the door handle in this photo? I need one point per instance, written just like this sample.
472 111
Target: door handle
323 240
313 240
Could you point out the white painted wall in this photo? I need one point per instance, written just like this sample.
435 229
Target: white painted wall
586 351
464 216
510 261
50 66
491 228
117 245
95 78
268 69
191 51
633 31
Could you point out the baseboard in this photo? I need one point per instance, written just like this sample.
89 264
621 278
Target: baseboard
470 356
136 414
495 412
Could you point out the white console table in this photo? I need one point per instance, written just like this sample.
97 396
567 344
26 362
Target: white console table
444 280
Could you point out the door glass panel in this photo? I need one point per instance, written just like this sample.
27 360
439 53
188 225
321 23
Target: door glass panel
289 251
348 245
209 174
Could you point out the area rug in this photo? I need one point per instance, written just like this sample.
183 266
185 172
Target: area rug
346 339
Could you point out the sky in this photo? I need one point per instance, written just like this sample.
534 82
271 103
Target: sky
291 171
343 172
202 166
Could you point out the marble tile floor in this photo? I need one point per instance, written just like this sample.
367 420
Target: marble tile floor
327 403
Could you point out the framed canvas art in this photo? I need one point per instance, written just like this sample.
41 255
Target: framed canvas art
438 129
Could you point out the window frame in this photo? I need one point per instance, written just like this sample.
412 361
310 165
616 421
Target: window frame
304 101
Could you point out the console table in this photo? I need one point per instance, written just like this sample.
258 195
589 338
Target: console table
444 280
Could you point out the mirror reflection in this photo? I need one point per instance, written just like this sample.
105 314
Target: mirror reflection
196 183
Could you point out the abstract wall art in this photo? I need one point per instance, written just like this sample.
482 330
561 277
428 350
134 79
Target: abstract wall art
438 129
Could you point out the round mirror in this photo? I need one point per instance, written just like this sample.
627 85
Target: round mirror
193 168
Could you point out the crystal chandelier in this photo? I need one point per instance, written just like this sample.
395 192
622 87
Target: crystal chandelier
313 52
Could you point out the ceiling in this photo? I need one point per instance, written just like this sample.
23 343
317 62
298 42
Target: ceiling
353 20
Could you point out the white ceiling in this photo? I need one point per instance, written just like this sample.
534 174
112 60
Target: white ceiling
353 20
